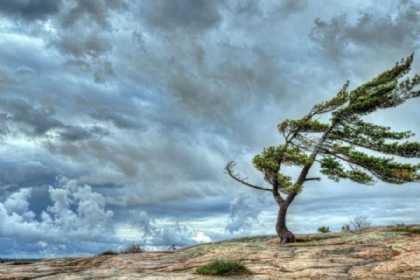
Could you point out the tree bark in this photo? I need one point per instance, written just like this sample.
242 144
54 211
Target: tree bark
283 233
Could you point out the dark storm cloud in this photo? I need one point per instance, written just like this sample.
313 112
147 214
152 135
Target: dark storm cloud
190 15
19 174
250 10
369 30
247 7
91 10
82 32
30 9
118 119
149 167
288 7
90 44
209 79
75 133
37 121
189 208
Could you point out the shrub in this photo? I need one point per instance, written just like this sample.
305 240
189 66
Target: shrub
133 249
223 267
324 229
359 223
108 253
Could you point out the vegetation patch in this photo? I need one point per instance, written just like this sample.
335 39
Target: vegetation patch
132 249
223 267
108 253
324 229
406 229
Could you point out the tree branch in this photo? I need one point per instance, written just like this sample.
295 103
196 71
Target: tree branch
313 179
350 162
229 169
305 170
276 193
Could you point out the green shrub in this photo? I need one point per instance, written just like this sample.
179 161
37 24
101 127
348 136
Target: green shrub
132 249
108 253
223 267
324 229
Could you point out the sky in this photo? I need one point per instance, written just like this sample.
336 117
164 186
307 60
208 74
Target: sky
118 117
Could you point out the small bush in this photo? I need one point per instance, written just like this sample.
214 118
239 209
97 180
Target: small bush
223 267
360 223
324 229
108 253
132 249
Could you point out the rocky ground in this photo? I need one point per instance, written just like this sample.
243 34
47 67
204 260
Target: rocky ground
377 253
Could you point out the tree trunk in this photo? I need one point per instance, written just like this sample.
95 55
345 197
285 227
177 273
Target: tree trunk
284 234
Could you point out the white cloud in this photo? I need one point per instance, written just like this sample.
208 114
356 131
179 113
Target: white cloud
158 233
245 212
77 214
18 202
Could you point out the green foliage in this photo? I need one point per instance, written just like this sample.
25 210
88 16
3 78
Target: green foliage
400 69
367 132
324 229
294 156
335 171
332 168
303 125
330 105
406 149
358 176
285 182
382 92
223 267
385 169
132 249
108 253
270 159
373 137
296 188
371 101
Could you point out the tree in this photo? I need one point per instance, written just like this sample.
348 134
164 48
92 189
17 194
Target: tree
345 146
359 223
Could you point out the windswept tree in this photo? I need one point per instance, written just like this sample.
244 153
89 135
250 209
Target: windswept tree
346 146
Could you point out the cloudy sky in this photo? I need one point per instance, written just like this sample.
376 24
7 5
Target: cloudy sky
117 117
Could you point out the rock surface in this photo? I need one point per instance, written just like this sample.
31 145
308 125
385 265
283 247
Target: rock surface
377 253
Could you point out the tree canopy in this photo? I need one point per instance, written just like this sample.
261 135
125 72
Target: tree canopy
346 146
